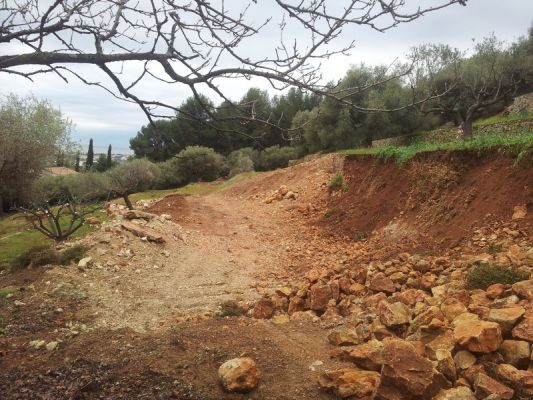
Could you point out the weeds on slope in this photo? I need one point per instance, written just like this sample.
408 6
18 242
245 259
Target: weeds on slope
518 145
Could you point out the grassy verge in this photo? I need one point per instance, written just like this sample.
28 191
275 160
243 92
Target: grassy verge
503 118
17 236
517 144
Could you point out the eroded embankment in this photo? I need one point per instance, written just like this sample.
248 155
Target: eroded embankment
438 196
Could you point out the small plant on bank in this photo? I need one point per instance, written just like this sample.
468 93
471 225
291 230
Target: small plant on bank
74 253
482 276
336 182
231 308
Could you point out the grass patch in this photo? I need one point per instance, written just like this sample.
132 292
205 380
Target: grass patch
231 308
7 291
503 118
74 253
36 256
482 276
336 182
514 144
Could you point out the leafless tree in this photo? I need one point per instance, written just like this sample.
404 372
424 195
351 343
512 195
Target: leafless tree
195 43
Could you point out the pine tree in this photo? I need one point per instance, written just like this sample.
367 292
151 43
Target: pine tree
90 156
109 160
77 166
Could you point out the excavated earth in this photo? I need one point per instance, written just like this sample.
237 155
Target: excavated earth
354 292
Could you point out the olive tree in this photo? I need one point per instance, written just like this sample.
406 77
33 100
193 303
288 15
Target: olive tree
134 176
32 132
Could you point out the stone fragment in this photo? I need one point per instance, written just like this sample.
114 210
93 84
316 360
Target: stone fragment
519 212
452 308
239 375
380 283
263 308
343 337
368 356
524 289
464 359
524 330
485 386
85 262
521 381
393 315
458 393
143 232
477 336
351 383
319 296
516 353
506 317
408 375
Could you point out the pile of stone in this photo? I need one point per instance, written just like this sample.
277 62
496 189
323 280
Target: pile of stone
411 330
283 193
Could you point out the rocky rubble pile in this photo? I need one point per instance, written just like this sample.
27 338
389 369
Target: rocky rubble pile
411 330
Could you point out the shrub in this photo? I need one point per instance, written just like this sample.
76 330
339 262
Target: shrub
240 161
276 157
231 308
197 163
482 276
74 253
336 182
168 176
36 256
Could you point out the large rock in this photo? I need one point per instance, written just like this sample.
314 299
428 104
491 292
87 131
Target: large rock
524 289
408 375
458 393
464 359
239 375
319 296
520 381
368 355
263 308
380 283
394 315
516 352
524 330
477 336
143 231
506 317
343 337
351 383
452 308
485 386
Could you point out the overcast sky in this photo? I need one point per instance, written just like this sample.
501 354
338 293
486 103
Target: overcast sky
107 120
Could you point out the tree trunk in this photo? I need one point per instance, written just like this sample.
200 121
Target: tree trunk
468 130
127 201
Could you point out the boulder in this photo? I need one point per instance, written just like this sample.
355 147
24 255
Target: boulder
464 359
524 289
296 304
485 386
239 375
516 353
319 296
458 393
143 231
380 283
393 315
351 383
368 356
506 317
446 364
476 335
343 337
408 375
263 308
451 308
524 330
520 381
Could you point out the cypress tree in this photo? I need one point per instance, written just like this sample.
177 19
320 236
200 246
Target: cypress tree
77 166
90 156
109 161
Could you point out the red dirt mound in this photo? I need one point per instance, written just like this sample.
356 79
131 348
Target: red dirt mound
440 196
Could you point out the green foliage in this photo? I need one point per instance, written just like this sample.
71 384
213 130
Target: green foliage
513 144
6 292
336 182
242 160
36 256
197 163
231 308
503 118
276 157
482 276
90 156
134 176
74 253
